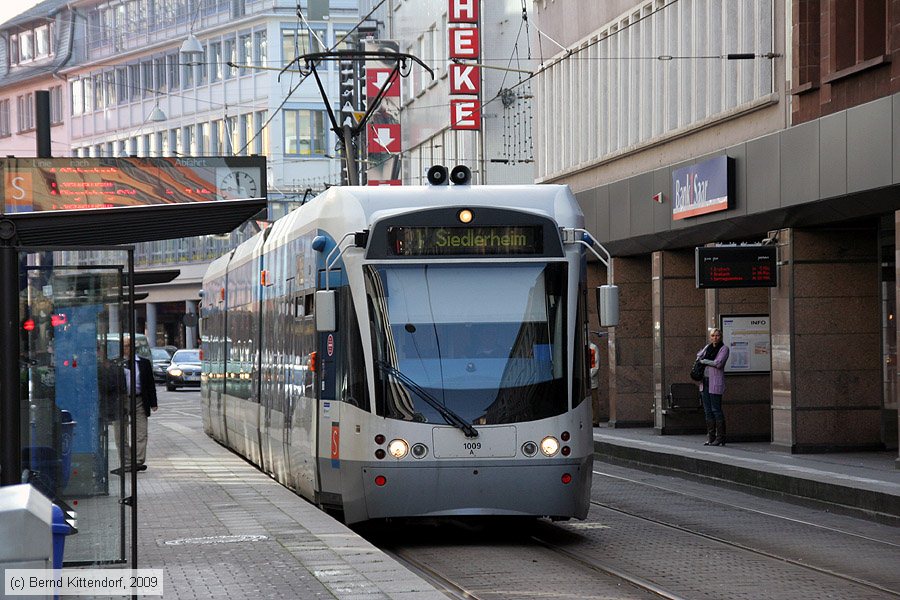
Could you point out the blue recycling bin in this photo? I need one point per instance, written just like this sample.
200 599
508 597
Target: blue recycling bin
66 435
60 530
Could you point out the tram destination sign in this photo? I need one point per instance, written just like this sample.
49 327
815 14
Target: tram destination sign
736 266
466 241
49 184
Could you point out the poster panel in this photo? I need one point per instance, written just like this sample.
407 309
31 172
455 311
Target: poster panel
749 343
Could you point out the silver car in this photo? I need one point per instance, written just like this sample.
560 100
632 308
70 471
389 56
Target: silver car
184 370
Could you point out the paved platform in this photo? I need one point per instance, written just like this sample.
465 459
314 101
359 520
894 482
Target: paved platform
222 529
867 483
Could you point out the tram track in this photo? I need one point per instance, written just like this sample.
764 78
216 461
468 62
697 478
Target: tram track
456 590
445 585
545 536
578 552
759 552
595 565
748 509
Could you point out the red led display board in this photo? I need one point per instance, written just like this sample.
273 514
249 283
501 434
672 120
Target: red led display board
736 266
47 184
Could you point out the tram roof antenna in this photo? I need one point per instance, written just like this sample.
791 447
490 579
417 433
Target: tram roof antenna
347 133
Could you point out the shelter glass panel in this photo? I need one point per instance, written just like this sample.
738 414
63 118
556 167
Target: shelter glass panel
73 394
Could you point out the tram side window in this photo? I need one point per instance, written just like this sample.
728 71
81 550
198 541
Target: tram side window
303 306
353 386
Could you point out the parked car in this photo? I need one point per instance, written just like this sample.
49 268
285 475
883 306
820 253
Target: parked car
184 370
161 361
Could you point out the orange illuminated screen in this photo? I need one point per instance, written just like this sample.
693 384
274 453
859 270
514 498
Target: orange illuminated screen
80 183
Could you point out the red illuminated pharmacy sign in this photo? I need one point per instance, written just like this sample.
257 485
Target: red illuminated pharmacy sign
465 79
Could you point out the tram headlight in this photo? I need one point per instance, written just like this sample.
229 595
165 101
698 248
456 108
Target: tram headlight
529 449
419 450
549 445
398 448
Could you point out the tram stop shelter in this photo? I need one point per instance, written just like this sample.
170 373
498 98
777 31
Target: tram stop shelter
67 294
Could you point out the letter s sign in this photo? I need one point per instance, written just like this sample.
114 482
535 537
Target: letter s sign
18 192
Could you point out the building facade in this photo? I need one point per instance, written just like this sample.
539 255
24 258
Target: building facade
501 149
34 46
122 86
807 117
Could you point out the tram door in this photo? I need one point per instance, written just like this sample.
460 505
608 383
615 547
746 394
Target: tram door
329 425
72 317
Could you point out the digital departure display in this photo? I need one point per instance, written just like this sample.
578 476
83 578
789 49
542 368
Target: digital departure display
736 266
43 184
466 241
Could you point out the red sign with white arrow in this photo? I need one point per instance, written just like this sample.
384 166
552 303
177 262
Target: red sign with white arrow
376 78
384 137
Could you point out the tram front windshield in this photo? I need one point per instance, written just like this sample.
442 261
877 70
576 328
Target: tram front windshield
485 341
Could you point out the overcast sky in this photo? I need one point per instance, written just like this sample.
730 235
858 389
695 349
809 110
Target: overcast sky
12 8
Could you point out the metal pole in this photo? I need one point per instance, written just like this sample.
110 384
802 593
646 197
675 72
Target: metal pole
132 325
10 403
42 122
350 156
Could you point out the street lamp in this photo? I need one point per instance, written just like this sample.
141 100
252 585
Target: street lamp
157 115
191 48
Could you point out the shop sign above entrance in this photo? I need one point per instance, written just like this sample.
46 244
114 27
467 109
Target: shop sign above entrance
703 188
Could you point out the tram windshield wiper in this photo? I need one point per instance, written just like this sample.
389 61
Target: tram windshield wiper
451 417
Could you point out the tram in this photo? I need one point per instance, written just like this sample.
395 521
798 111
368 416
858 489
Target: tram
415 351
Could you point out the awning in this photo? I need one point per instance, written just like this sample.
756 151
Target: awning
154 277
132 224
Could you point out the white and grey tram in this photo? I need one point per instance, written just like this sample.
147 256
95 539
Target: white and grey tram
409 352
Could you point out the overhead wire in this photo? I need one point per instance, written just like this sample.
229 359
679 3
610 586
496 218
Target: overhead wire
299 83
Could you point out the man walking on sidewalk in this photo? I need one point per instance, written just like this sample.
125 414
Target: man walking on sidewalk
145 395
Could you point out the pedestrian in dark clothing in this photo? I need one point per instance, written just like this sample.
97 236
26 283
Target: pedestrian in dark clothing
145 394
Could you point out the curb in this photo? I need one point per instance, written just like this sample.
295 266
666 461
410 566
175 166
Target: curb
834 496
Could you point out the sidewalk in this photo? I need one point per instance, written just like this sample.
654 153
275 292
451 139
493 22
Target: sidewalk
222 529
866 482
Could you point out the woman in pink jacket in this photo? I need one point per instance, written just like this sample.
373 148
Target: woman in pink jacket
714 355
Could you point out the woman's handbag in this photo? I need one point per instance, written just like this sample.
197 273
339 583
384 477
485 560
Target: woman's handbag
697 370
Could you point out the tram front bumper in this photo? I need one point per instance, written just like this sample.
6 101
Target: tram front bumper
522 489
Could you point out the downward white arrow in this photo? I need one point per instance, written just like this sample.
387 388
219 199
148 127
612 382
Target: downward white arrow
380 78
383 137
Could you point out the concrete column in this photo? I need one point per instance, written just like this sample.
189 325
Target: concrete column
631 346
151 323
895 401
826 341
190 333
679 330
748 396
